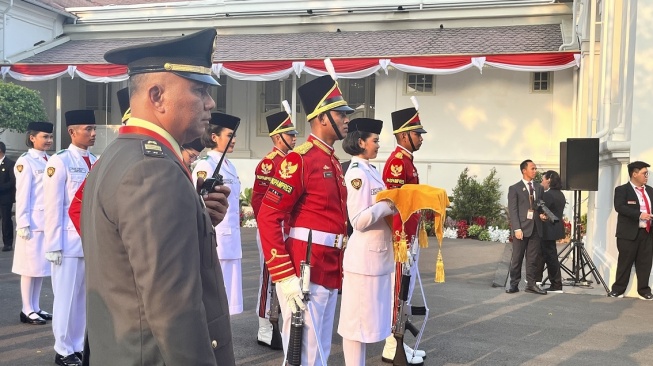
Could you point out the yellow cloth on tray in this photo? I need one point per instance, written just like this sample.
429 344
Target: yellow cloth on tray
411 198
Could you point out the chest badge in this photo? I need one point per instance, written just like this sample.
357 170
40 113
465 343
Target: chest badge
287 169
357 183
50 171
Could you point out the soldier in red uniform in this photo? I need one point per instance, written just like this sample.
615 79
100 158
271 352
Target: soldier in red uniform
283 134
399 170
309 185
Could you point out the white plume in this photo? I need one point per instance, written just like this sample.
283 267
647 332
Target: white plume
329 66
286 106
414 100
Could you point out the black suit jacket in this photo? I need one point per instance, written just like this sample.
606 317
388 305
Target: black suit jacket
518 206
555 201
7 181
626 203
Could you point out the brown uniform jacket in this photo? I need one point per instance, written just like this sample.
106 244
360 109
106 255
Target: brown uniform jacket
155 293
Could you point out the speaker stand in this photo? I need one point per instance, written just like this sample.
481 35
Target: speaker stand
582 265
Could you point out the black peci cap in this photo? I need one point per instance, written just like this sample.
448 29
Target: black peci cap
195 145
321 95
405 120
225 120
188 56
280 123
46 127
123 101
366 125
80 117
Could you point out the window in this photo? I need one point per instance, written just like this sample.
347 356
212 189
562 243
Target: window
541 82
420 84
360 94
96 97
272 93
219 94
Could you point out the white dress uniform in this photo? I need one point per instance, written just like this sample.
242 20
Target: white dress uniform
29 255
368 264
227 232
64 173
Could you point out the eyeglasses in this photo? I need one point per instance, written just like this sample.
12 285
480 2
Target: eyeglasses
191 155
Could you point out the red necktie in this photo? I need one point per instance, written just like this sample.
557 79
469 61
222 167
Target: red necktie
88 161
45 157
648 207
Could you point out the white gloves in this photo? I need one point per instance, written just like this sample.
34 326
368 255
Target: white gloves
291 290
24 233
54 257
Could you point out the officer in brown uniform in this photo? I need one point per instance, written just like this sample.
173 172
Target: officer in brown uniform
155 293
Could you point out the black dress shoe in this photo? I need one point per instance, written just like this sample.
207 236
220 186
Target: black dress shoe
26 319
512 290
535 290
80 355
648 296
70 360
44 314
615 294
7 248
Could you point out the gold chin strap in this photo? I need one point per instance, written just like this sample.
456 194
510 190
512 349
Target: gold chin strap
187 68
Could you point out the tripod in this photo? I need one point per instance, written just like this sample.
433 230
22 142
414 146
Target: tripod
582 265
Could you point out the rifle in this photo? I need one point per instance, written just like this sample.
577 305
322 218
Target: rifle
276 342
216 179
294 356
404 313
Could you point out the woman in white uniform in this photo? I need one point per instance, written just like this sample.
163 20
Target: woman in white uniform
216 137
366 307
29 257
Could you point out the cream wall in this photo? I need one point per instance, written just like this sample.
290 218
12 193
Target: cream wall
26 25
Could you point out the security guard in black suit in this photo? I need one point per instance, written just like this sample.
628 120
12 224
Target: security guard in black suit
7 197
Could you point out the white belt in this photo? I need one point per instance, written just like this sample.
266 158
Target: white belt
330 240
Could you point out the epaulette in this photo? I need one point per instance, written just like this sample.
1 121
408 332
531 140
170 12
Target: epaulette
271 155
62 151
90 153
399 155
24 154
204 158
303 148
353 165
152 148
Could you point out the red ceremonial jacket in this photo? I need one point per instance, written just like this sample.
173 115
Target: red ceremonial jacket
399 170
264 173
309 186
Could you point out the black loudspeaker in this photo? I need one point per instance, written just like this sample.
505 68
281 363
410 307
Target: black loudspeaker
579 164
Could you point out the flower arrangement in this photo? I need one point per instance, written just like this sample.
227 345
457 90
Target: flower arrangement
498 235
247 218
462 229
451 233
474 231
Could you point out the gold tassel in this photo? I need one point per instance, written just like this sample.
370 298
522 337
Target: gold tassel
439 269
401 247
423 237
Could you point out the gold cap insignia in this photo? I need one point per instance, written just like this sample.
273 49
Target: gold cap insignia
50 171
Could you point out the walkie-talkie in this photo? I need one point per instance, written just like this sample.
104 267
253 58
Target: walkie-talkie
216 179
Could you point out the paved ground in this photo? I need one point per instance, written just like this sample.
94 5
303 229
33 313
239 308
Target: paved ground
470 323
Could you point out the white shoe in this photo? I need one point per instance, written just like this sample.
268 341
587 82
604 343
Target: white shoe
417 352
390 349
264 337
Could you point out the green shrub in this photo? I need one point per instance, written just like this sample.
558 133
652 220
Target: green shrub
473 199
18 107
246 197
484 236
474 231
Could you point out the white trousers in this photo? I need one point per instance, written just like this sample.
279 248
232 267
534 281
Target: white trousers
354 352
322 304
264 284
232 273
69 306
